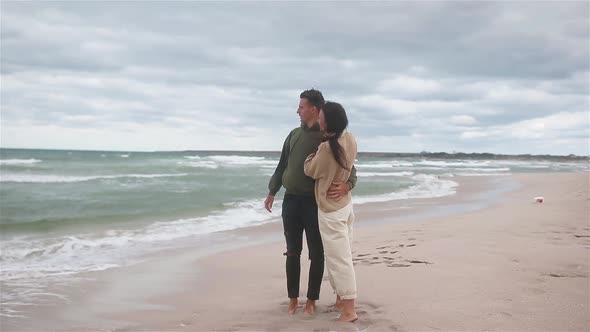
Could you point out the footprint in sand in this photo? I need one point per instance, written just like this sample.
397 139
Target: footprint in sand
329 309
565 275
366 309
371 305
384 257
418 262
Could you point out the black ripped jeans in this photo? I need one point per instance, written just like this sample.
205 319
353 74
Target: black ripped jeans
301 213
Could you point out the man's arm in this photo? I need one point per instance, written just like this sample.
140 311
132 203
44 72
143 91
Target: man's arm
338 189
352 178
276 181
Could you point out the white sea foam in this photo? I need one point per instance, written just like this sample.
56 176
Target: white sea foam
482 174
503 169
384 165
371 174
13 162
460 163
427 168
217 161
199 164
50 178
242 160
373 165
427 186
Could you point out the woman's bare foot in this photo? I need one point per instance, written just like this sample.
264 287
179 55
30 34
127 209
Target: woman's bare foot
348 312
338 304
292 306
348 318
310 307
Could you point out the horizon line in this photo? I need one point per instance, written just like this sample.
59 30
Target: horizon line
269 151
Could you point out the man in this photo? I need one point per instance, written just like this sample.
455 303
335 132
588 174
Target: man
300 210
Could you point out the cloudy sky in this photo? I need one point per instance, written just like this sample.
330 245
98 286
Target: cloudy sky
501 77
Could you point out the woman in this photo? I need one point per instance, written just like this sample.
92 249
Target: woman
332 163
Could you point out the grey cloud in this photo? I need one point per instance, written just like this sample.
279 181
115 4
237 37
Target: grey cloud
243 64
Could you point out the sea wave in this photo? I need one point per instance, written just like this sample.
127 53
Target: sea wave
503 169
461 163
384 164
217 161
53 178
30 258
242 160
482 174
371 174
427 186
19 161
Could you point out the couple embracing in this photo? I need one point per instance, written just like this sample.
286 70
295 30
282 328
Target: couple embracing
317 170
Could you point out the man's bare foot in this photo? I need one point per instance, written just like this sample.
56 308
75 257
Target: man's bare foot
310 307
348 318
292 306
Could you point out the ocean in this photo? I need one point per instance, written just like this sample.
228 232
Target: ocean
65 213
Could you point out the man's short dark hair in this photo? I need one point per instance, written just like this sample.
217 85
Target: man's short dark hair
314 97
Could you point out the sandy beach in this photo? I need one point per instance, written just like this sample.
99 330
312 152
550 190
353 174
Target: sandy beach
142 144
476 260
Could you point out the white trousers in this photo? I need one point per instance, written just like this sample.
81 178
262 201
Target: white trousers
336 231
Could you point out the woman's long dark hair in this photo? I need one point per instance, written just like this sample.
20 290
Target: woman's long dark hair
336 122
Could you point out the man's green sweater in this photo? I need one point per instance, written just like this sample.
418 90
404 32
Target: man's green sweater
300 143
